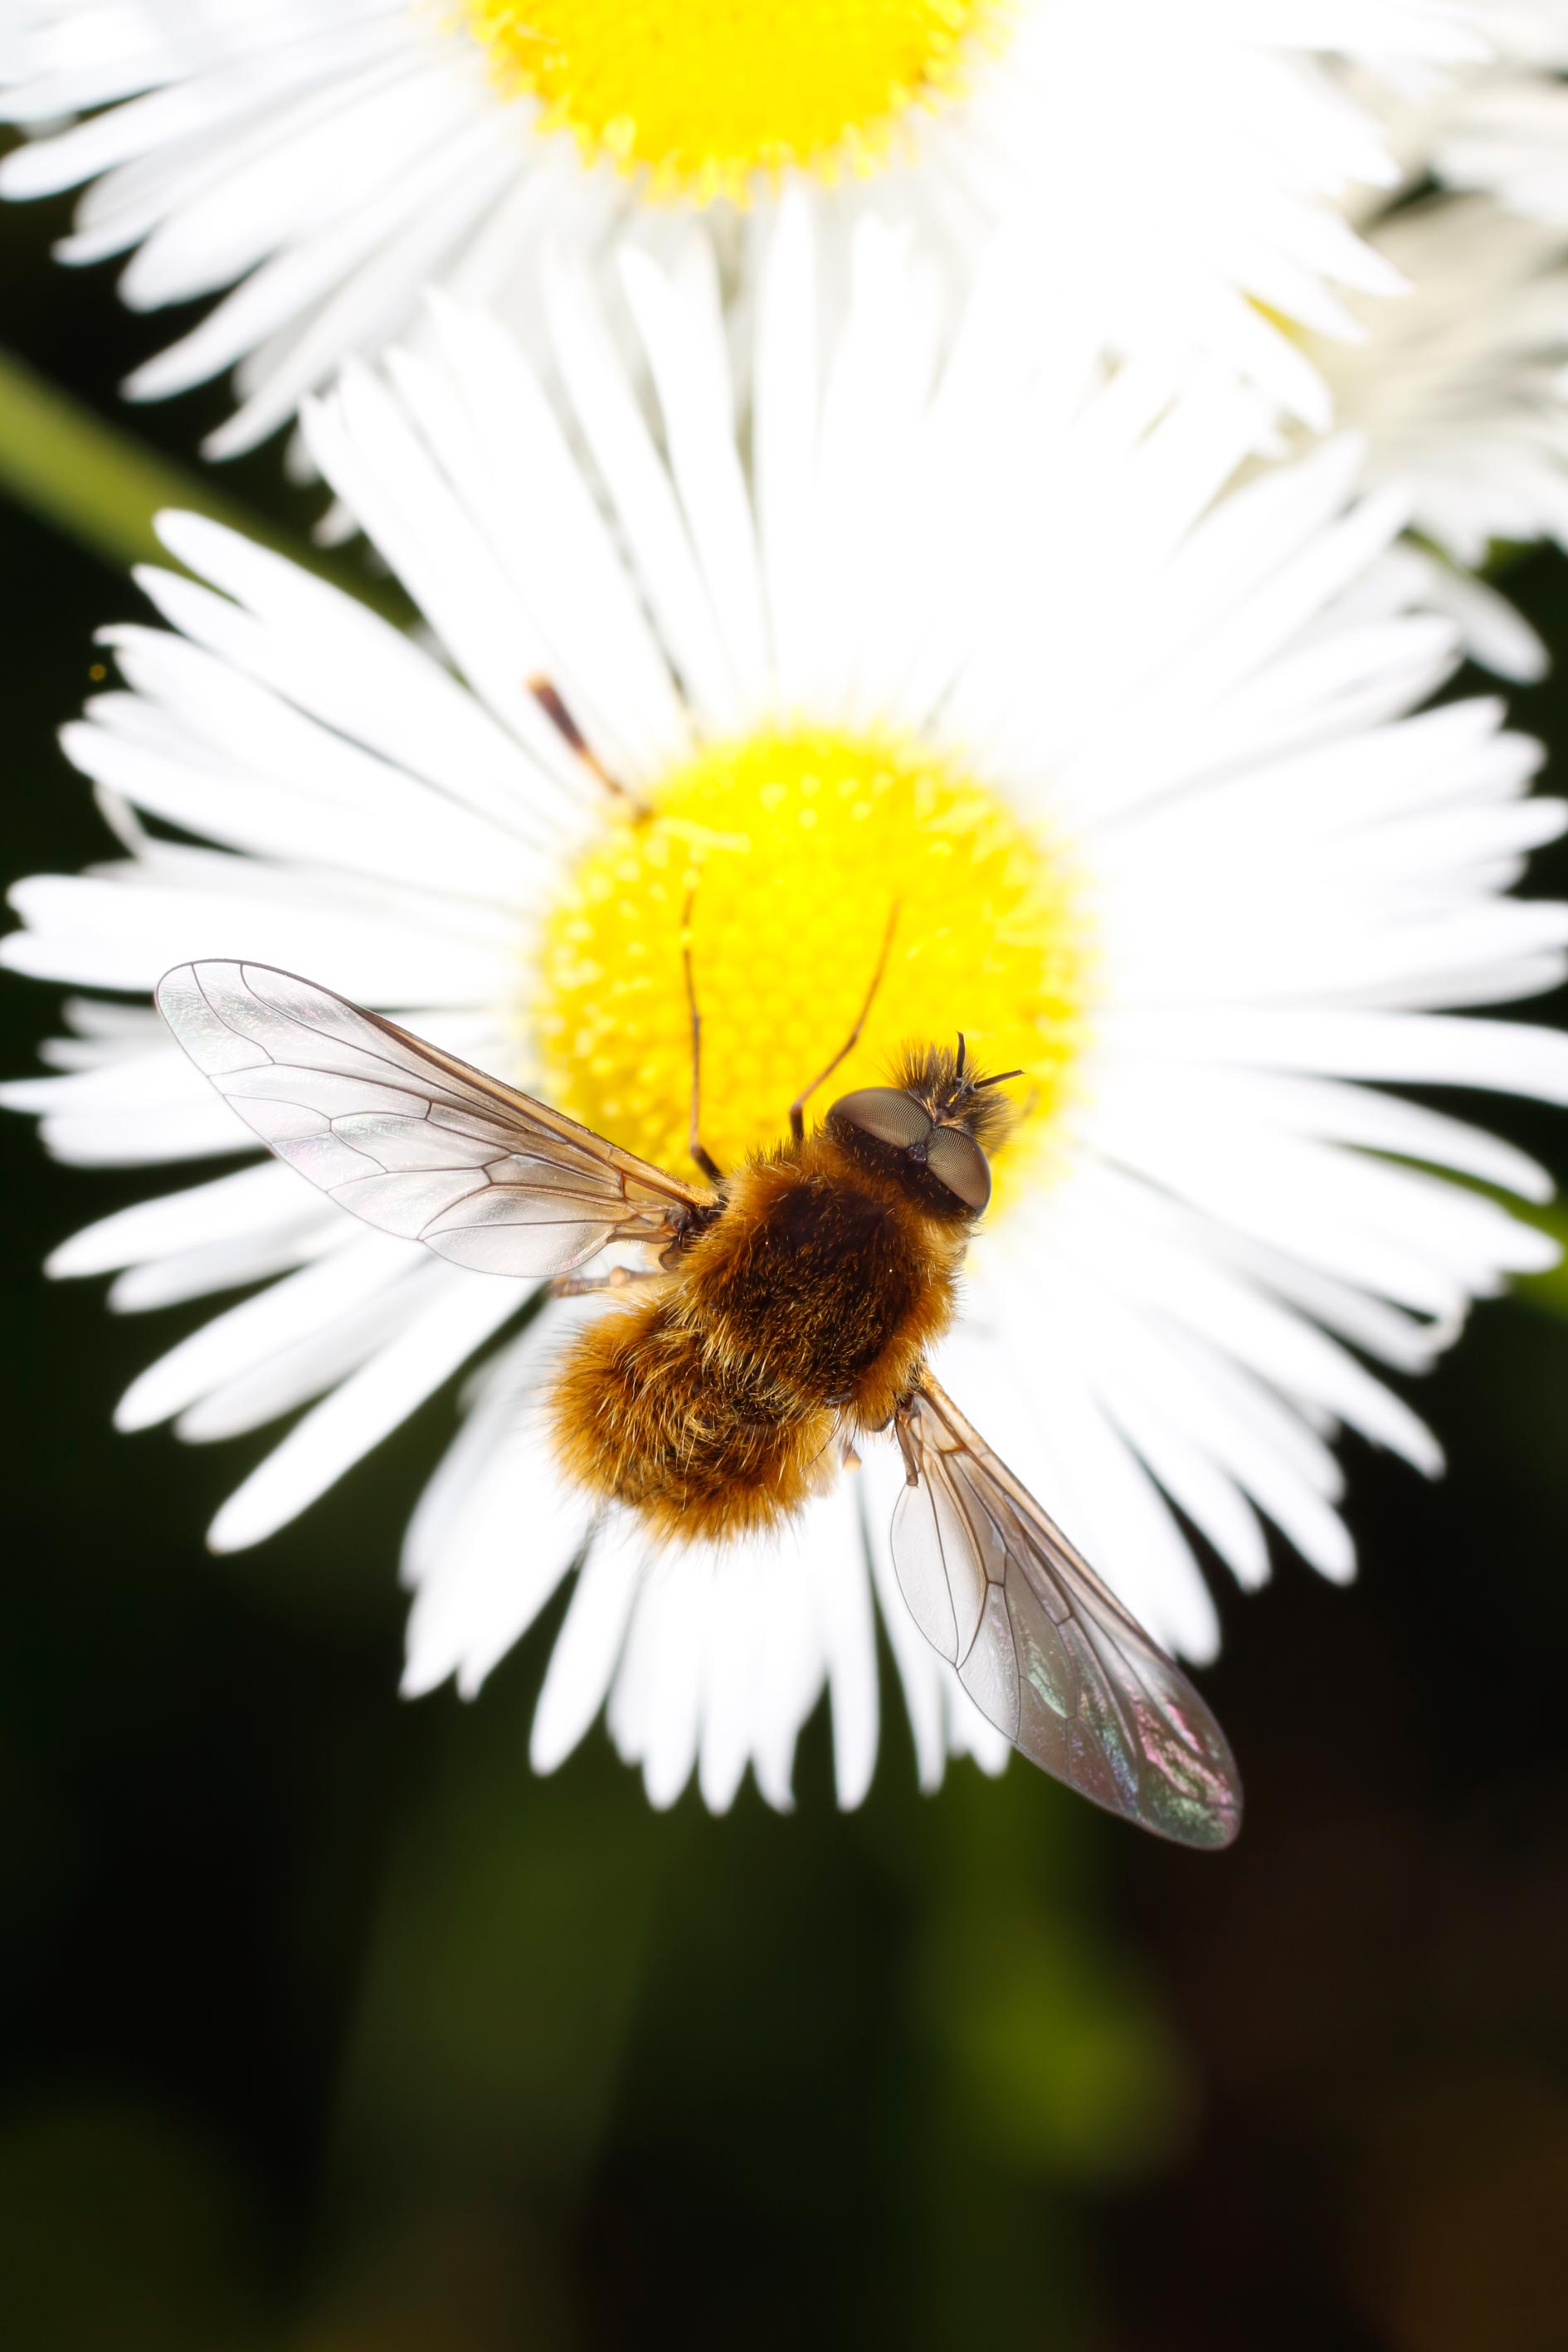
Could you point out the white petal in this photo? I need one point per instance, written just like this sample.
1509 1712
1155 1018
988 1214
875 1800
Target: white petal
289 1312
588 1646
461 1313
833 1550
229 1208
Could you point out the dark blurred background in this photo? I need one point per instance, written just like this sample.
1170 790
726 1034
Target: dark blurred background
328 2028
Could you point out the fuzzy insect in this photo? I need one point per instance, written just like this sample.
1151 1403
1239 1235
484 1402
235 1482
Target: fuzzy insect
796 1313
788 1315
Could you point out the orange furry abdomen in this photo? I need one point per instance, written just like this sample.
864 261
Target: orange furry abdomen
711 1406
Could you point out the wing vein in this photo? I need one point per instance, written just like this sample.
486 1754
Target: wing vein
1054 1659
387 1124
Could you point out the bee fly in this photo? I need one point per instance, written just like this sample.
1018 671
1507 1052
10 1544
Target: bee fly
788 1315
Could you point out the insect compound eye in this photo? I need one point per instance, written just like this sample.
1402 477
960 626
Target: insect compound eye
887 1113
958 1162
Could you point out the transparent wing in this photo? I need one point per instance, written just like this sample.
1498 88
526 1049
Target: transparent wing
408 1138
1044 1650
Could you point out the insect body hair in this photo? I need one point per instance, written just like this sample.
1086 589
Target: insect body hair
714 1404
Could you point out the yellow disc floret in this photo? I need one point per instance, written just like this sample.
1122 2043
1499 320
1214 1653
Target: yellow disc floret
701 95
792 849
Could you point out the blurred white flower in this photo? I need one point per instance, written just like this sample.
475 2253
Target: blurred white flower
1132 746
1502 125
1459 390
1461 386
1163 171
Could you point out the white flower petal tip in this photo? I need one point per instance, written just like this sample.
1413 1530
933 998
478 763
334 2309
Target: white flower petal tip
587 1648
238 1528
496 1530
138 1409
776 1791
664 1789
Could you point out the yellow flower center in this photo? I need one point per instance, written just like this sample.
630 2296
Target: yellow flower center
793 848
701 94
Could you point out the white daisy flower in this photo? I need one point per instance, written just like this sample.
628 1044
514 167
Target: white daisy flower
1169 170
1131 747
1501 125
1459 392
1459 386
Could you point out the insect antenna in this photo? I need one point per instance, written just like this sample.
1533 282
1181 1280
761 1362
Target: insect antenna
548 696
694 1144
964 1086
797 1107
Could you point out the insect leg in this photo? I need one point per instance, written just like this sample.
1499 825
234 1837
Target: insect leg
797 1107
704 1159
620 1277
907 1446
548 699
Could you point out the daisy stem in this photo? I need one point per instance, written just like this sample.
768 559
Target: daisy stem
101 487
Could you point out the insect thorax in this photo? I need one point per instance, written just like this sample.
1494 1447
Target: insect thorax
818 1272
713 1407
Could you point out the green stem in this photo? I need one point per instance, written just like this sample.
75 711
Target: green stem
102 487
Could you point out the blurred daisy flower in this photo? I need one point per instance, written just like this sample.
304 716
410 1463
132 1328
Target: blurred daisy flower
1131 744
1461 385
1502 125
1165 170
1459 392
